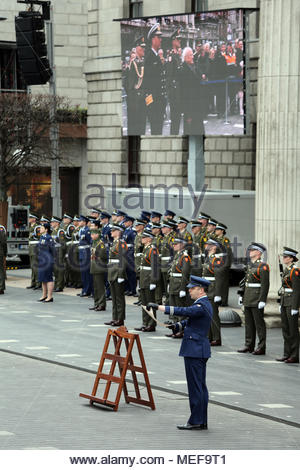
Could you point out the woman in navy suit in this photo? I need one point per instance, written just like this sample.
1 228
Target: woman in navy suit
45 263
195 348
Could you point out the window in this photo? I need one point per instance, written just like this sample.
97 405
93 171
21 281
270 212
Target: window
135 8
134 146
199 5
10 75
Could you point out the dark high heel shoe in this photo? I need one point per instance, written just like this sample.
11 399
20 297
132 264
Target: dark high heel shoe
42 300
50 300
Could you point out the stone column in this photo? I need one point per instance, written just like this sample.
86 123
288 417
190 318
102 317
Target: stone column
278 134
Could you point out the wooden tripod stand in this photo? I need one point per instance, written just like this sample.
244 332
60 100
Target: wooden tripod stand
124 363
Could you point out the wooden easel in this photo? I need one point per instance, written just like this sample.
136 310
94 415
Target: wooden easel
124 364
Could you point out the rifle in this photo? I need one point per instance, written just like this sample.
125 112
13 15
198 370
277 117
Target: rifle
281 275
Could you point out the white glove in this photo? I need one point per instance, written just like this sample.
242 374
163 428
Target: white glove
182 293
120 280
279 308
152 286
294 312
261 305
168 288
240 301
217 299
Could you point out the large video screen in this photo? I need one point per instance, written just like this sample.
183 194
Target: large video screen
184 74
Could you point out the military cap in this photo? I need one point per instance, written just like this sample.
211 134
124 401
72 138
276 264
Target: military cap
196 223
145 214
97 223
179 239
47 225
128 218
92 218
44 219
140 41
155 214
76 218
97 211
176 34
121 213
213 222
257 246
54 218
84 218
147 234
115 213
221 226
182 220
168 212
32 215
154 31
290 252
155 225
105 215
202 215
196 281
169 224
140 222
117 227
67 216
213 242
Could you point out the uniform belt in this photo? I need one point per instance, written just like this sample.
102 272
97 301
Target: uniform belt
287 290
138 254
129 246
145 268
165 258
33 242
114 261
197 256
69 243
252 284
176 274
75 242
83 247
209 278
57 245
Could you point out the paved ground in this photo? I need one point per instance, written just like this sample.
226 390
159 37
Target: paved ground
254 402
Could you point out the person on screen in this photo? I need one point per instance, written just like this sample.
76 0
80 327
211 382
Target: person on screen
136 106
217 72
191 95
173 72
231 75
154 82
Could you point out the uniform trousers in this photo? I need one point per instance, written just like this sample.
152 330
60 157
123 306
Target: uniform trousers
2 274
195 370
254 322
118 300
34 270
290 333
215 326
86 277
99 290
146 296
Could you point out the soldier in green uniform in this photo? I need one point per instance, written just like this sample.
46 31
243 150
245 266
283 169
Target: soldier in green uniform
203 218
212 271
136 106
117 275
254 299
138 250
149 276
185 234
289 306
32 244
157 241
73 255
98 270
179 275
219 234
59 238
196 253
166 253
210 229
3 254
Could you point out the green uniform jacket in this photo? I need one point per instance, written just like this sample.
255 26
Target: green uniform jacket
166 252
149 267
138 251
290 289
179 273
213 272
60 245
99 257
117 260
225 242
196 255
32 241
257 283
188 237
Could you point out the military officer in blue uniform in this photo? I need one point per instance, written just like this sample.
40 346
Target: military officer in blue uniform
106 229
121 218
155 217
195 348
129 235
85 242
170 215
